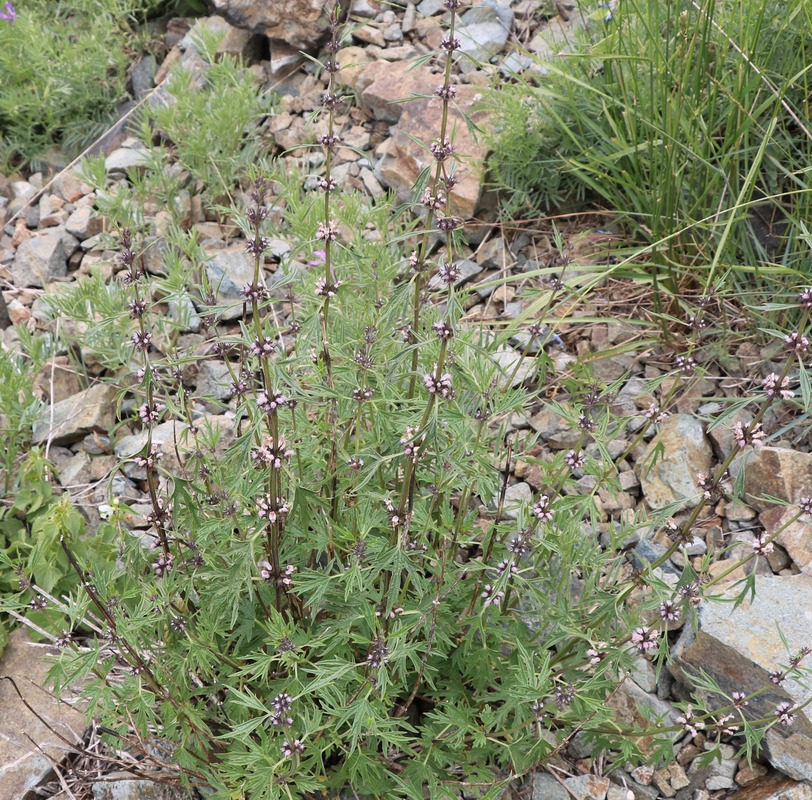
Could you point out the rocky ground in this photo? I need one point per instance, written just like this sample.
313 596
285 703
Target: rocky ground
51 235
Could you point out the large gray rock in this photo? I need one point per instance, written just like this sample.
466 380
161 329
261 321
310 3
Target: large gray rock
739 647
76 416
40 259
483 32
228 271
169 437
300 23
672 477
774 472
137 790
28 747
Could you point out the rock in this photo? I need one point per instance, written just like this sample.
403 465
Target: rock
364 8
643 674
795 538
587 787
76 416
137 790
405 159
371 34
70 187
352 62
483 32
168 437
234 42
28 747
284 59
517 496
637 708
747 774
57 380
143 76
228 271
546 787
776 787
428 8
299 23
5 318
40 259
385 85
514 368
739 648
774 472
686 452
75 471
720 774
213 380
125 158
83 223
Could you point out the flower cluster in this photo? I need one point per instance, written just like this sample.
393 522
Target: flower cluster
272 509
280 577
439 384
776 386
325 289
645 639
271 402
253 292
542 509
491 595
271 453
744 435
263 347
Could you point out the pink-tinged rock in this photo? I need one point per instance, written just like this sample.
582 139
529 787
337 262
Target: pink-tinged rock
795 537
671 463
384 86
774 472
27 745
83 223
419 122
300 23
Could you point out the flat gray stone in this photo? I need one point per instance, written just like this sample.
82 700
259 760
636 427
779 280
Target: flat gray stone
40 259
739 648
213 380
517 496
76 416
164 436
137 790
483 32
24 761
587 787
228 271
672 478
125 158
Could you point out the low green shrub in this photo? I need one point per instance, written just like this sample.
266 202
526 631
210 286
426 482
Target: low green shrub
63 68
338 590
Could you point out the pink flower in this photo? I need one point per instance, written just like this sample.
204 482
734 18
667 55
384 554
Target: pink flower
10 13
319 258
